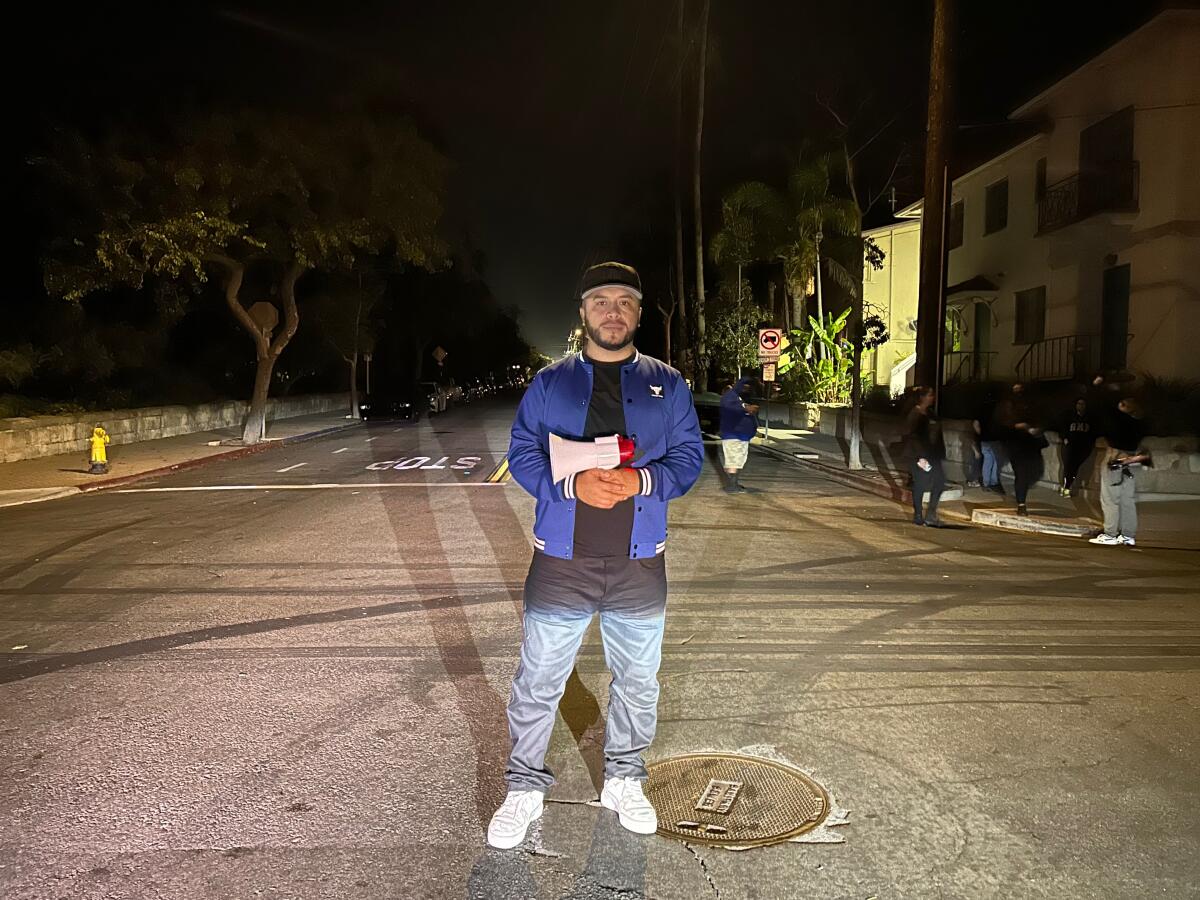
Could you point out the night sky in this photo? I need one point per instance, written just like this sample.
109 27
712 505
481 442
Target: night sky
557 115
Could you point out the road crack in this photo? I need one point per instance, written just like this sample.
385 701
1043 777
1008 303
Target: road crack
704 868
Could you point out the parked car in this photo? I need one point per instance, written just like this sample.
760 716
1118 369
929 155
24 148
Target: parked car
437 397
397 406
708 411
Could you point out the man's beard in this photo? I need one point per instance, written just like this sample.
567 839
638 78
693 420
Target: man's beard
594 335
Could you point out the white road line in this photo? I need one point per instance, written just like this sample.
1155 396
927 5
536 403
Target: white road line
289 468
343 450
370 439
303 487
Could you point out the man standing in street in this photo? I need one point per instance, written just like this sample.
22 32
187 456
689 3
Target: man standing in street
599 542
739 423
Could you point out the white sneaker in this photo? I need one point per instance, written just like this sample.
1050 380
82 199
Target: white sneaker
1106 539
1127 541
519 810
624 797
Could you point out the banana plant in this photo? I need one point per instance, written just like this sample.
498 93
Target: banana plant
818 379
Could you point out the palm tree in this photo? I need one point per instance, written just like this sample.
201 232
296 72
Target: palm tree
740 240
788 227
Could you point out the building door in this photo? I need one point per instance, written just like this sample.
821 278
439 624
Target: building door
1107 172
1114 318
982 342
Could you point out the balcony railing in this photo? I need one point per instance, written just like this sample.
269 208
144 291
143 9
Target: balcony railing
959 366
1112 189
1058 358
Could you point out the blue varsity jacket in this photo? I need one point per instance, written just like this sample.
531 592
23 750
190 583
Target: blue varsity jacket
659 417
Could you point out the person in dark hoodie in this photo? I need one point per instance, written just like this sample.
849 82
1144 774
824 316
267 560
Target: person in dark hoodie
925 455
1023 443
739 423
1078 433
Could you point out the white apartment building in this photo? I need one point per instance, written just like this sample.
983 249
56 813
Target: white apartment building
1076 249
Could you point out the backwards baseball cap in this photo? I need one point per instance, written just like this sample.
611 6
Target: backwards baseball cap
610 275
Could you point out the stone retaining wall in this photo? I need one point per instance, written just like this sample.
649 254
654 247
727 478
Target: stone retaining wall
28 438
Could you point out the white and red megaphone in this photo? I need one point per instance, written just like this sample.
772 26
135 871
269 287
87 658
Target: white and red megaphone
569 457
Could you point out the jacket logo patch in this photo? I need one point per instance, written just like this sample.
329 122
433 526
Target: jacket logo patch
656 391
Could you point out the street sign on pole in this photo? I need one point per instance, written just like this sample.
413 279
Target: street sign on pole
770 344
768 371
440 355
265 316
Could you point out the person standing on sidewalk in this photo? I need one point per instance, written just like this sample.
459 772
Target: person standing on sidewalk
599 539
990 445
1078 433
926 453
1023 443
1119 465
739 423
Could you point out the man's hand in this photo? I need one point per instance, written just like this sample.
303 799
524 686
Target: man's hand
752 408
605 488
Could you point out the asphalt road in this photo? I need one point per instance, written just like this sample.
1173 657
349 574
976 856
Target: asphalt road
285 676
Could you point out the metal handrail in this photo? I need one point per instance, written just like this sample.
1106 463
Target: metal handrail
977 366
1057 358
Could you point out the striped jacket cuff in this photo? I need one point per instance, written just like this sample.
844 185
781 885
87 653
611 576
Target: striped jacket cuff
568 487
647 482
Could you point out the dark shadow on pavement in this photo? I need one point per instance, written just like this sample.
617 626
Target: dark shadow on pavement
615 869
581 711
114 652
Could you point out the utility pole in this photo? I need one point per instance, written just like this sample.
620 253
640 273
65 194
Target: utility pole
684 351
931 311
698 212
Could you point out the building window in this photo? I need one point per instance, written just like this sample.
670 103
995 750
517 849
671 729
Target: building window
995 207
1031 315
1039 181
956 224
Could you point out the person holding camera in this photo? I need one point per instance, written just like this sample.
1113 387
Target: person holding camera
1120 463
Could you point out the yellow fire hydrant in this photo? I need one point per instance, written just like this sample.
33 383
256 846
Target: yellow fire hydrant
99 440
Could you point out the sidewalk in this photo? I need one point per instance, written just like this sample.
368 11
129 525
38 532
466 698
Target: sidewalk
1164 520
49 477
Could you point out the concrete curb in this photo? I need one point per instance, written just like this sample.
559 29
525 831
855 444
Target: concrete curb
122 480
987 517
1000 519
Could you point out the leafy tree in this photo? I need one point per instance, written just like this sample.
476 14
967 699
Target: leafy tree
733 328
241 195
348 314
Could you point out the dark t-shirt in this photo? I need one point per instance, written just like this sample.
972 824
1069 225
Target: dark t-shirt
604 532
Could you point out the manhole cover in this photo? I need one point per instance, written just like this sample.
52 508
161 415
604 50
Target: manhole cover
742 801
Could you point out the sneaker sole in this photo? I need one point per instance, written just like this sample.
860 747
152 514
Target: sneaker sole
503 843
628 824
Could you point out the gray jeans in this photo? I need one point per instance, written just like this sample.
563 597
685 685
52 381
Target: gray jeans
561 596
1118 499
